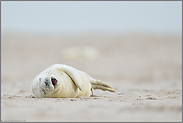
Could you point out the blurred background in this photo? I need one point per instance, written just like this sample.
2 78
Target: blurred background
127 36
132 45
73 17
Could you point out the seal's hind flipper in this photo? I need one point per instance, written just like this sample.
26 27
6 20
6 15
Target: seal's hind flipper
97 84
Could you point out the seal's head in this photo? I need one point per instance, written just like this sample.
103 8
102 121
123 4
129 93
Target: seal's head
46 85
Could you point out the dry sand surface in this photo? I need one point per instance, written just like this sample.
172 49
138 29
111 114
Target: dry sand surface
145 69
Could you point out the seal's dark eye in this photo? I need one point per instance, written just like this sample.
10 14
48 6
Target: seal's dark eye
54 81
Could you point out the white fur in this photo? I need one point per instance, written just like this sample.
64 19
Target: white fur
59 71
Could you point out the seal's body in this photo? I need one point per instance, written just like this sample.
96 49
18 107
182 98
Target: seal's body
62 81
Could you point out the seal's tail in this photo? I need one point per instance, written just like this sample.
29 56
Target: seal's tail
97 84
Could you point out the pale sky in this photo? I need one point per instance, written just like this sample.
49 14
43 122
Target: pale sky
91 16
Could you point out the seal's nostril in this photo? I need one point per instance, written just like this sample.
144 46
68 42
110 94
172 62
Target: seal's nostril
46 83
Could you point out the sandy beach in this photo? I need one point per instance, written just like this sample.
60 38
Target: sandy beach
145 69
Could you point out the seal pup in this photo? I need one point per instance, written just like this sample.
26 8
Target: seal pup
63 81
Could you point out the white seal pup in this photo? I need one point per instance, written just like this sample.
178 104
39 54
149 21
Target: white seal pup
63 81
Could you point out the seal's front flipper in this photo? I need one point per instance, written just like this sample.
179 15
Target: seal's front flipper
74 74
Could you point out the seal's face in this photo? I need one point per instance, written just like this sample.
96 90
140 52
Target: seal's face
47 84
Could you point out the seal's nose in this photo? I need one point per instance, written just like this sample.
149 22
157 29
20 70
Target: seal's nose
46 83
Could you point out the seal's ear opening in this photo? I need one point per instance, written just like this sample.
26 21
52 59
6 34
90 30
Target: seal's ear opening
54 81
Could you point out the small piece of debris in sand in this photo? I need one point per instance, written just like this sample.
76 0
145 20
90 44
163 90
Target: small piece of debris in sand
10 97
16 96
151 98
139 98
30 96
73 99
94 96
110 99
106 96
22 91
120 93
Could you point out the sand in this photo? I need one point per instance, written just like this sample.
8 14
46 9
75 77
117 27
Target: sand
145 69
